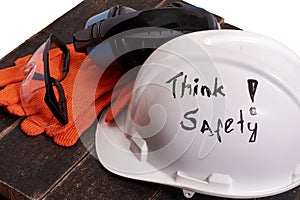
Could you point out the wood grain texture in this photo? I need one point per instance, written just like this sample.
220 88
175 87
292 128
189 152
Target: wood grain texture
90 180
32 166
6 119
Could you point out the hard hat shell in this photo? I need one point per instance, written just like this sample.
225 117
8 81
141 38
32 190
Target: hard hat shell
212 112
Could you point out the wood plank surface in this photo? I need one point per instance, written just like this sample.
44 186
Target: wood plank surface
90 180
31 166
6 120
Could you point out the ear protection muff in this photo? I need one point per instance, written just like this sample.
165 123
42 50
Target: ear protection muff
211 20
174 20
112 12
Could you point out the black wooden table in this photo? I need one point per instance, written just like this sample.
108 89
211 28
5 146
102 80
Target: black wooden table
36 168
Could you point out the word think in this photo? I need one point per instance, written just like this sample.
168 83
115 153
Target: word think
194 88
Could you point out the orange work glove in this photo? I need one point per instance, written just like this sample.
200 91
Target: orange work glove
43 120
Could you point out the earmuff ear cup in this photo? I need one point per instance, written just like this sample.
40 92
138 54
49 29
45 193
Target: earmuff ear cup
127 59
211 20
140 44
119 10
112 12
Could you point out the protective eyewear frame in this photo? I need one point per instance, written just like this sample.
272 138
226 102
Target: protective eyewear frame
57 106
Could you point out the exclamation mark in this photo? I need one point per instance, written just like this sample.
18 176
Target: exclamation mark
252 87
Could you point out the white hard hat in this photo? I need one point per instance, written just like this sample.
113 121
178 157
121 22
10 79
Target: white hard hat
212 112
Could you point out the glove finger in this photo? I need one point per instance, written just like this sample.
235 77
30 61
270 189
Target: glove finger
120 103
14 73
16 109
37 123
10 94
21 62
10 97
19 110
66 140
31 128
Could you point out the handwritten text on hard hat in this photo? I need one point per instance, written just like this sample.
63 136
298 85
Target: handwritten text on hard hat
180 87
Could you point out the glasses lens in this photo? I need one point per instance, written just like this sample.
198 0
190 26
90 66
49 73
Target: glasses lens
40 71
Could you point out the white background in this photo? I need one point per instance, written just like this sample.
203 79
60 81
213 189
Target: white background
277 19
19 19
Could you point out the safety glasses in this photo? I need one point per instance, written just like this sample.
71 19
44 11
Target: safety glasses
41 88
